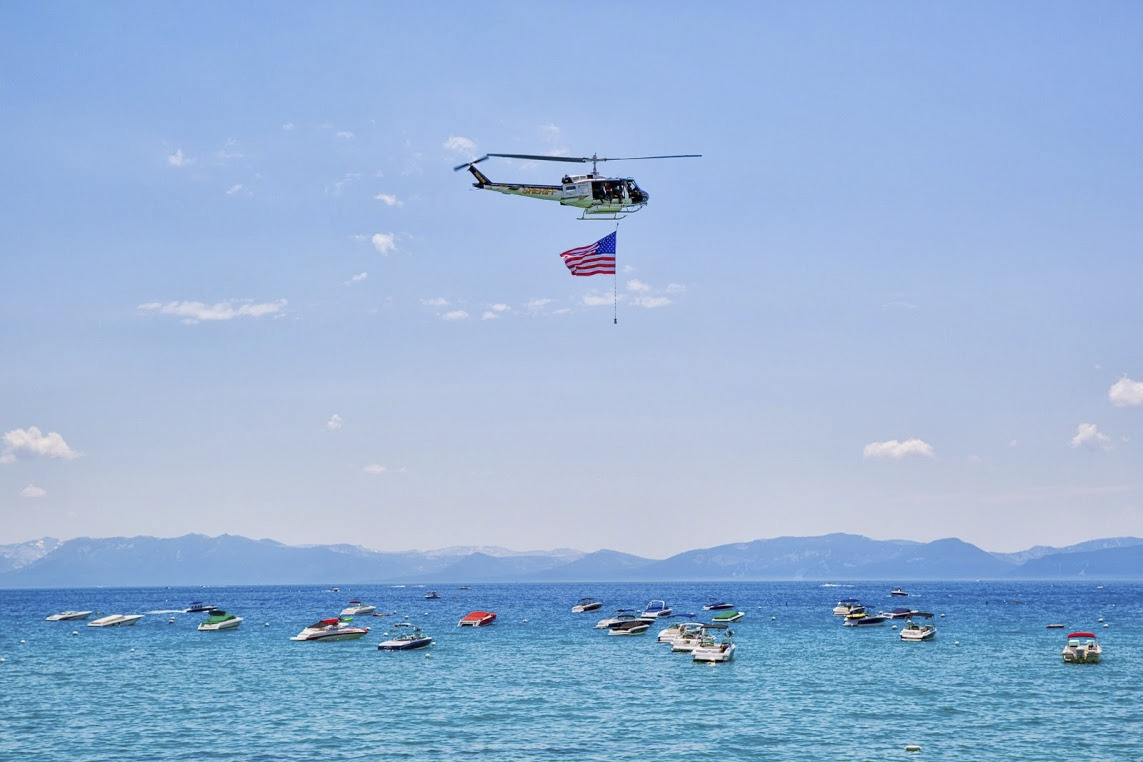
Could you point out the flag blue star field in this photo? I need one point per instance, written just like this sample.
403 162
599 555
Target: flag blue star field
595 259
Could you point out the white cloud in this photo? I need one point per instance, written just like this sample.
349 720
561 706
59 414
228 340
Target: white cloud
288 126
388 199
675 288
357 278
1126 393
33 491
436 301
494 311
455 315
637 285
194 312
178 159
344 135
535 305
31 441
334 422
596 300
375 469
460 145
1089 435
489 315
651 302
233 189
338 186
385 243
895 450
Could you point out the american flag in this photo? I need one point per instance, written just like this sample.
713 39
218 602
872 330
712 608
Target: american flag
595 259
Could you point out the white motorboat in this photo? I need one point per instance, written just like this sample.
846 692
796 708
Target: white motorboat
406 641
67 616
220 620
846 605
198 607
689 638
655 610
716 645
357 608
623 619
1082 649
620 615
918 632
331 629
716 605
679 631
585 605
115 620
898 592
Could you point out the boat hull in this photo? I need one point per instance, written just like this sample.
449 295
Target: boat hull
404 645
116 620
349 633
229 624
68 616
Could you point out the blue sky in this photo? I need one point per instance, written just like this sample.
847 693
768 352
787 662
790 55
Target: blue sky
243 291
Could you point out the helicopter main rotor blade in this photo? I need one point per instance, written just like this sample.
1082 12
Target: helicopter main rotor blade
636 158
537 158
459 167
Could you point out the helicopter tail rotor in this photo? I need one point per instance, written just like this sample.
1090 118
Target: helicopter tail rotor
467 164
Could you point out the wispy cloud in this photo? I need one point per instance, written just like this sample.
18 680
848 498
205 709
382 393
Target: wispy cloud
535 305
374 469
460 146
650 302
1126 393
288 126
334 422
436 301
894 450
357 278
179 159
33 491
455 315
195 312
337 187
494 311
31 442
234 189
1089 435
637 286
385 243
343 135
388 199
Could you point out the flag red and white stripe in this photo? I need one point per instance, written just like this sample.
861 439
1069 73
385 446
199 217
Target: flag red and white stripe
595 259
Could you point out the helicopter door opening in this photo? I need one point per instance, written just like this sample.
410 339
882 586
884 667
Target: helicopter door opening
607 191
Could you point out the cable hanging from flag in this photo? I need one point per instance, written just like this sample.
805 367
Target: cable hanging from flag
596 259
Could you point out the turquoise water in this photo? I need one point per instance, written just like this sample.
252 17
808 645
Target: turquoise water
542 683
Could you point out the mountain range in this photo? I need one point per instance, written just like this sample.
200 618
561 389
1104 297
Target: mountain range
196 559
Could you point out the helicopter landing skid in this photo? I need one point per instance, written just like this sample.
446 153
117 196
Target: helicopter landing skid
601 217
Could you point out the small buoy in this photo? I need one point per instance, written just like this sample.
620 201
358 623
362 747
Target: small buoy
894 627
1101 619
132 650
171 620
22 642
266 625
2 660
773 619
1105 625
942 616
956 642
75 632
913 747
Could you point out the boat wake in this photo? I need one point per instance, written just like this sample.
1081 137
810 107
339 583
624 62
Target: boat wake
168 611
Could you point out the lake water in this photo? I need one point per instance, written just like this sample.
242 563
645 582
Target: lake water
542 683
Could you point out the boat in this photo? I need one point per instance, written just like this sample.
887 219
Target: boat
331 629
67 616
198 607
715 645
655 610
898 613
897 591
716 605
406 641
432 595
629 627
728 616
357 608
115 620
859 618
477 619
845 605
680 631
620 614
220 620
1082 649
917 632
585 605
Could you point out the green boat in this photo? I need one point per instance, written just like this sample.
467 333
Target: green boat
728 616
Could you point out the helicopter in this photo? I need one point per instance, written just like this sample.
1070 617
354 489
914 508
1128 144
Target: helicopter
600 198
